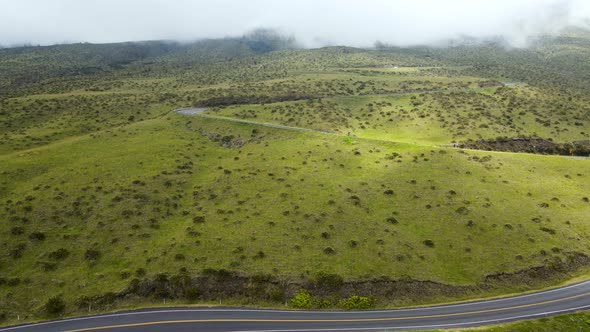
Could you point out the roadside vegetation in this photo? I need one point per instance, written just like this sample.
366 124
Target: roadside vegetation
108 198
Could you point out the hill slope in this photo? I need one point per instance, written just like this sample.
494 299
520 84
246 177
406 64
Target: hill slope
105 189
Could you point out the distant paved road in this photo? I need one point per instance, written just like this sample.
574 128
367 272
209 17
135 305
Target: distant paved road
561 300
198 111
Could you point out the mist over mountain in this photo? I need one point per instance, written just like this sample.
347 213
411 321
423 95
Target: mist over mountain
311 23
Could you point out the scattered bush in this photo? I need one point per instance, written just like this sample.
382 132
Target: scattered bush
323 304
462 210
17 230
259 255
221 274
392 220
46 266
429 243
12 282
355 302
37 236
302 300
329 251
199 219
55 305
59 254
141 272
191 293
92 255
18 250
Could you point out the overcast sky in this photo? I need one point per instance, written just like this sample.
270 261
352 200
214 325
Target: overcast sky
312 22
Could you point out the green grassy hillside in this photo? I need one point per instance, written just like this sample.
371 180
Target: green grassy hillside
104 188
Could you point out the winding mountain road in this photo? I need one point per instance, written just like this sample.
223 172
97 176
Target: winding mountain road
470 314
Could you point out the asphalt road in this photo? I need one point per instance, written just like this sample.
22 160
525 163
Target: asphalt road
566 299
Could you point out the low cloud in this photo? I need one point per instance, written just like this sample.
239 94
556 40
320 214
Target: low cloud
313 23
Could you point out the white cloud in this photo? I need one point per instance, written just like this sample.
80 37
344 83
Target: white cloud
358 23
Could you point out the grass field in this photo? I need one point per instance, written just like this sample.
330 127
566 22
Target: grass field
102 183
569 322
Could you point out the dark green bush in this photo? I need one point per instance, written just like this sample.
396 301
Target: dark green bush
59 254
191 293
429 243
55 305
329 251
17 230
37 236
18 250
392 220
141 272
199 219
92 255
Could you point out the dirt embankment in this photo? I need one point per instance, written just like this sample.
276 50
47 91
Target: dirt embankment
215 285
243 100
529 145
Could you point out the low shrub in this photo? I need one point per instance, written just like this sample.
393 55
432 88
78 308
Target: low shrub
55 305
429 243
355 302
37 236
302 300
92 254
59 254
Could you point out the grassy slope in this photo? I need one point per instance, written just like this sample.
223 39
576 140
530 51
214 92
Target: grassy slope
569 322
432 118
281 207
95 166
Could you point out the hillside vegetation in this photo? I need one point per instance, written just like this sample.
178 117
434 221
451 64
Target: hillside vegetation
109 198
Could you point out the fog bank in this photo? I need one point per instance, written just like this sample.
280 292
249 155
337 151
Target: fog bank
313 23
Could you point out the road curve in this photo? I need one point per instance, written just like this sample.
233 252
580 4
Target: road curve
470 314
